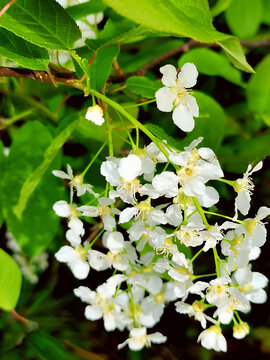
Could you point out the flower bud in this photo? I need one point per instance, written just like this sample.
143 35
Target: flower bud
95 114
240 330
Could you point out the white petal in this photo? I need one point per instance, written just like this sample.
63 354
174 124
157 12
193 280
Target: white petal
188 75
164 98
61 174
109 222
79 268
84 293
259 281
130 167
263 212
157 338
242 202
169 75
65 254
183 118
174 215
92 312
110 171
127 214
115 242
192 105
167 183
98 260
62 208
76 225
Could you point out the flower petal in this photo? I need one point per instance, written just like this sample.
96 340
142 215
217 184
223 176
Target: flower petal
183 118
188 75
169 75
164 98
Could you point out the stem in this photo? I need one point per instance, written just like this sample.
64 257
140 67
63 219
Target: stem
134 121
6 7
229 182
205 275
195 256
94 158
94 240
224 216
201 211
109 128
216 257
140 104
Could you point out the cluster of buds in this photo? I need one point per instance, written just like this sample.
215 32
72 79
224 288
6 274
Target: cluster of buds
155 226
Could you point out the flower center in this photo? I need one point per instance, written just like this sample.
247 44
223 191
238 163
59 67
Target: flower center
180 94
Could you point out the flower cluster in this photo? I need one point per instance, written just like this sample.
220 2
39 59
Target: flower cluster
154 224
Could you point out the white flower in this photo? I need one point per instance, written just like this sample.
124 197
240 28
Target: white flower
75 182
240 330
75 259
196 310
244 188
175 96
103 210
212 338
139 339
95 114
123 174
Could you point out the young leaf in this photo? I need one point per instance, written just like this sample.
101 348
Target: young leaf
65 129
143 86
10 282
22 52
258 90
244 17
44 23
38 224
209 62
235 53
101 66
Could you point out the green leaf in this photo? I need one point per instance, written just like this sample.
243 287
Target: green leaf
115 32
209 62
220 6
44 23
2 169
266 12
239 152
81 10
161 134
39 224
244 17
10 282
143 86
101 66
258 89
23 52
235 53
211 123
64 131
190 18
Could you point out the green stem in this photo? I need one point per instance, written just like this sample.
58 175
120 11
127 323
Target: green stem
216 257
134 121
205 275
94 158
94 240
109 128
195 256
140 104
200 210
224 216
229 182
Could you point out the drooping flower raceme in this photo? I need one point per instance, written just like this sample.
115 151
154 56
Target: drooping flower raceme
175 95
153 223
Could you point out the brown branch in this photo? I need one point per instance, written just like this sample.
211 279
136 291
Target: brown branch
6 7
70 78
